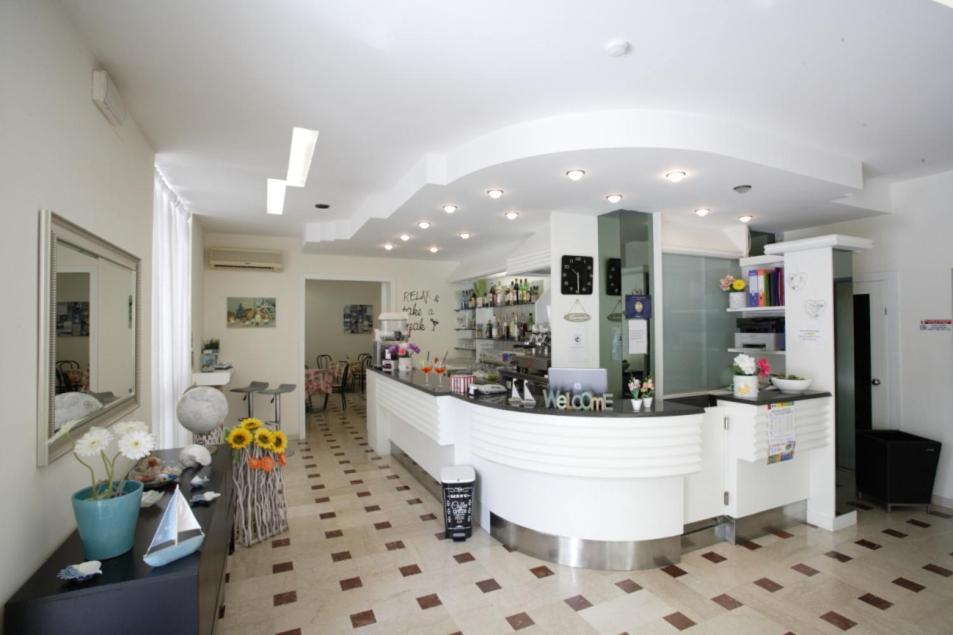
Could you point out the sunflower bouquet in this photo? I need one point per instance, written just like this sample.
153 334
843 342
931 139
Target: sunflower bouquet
259 452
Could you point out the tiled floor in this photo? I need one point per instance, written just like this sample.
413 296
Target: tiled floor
364 554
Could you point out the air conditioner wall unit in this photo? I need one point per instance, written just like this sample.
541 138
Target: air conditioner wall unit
107 99
244 259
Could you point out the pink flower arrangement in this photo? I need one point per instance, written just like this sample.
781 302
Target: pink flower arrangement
404 349
764 367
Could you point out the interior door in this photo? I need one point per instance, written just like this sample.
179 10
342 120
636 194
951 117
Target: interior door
881 374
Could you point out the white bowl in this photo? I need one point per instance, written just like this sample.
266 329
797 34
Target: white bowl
791 386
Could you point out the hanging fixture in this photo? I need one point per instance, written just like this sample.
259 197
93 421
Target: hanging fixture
577 313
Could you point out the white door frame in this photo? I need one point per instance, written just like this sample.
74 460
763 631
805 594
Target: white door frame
890 280
388 301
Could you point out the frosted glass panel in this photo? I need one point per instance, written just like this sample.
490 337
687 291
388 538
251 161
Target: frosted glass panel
698 329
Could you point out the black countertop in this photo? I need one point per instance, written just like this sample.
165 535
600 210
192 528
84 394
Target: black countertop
771 395
620 407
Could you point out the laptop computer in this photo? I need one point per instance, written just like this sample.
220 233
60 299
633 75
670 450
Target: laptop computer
577 380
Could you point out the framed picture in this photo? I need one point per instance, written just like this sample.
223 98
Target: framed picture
358 318
72 318
251 312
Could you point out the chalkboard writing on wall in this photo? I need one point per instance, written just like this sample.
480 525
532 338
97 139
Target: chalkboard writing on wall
420 305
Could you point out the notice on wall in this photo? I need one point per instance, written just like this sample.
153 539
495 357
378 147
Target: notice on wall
638 337
936 325
420 306
781 439
809 336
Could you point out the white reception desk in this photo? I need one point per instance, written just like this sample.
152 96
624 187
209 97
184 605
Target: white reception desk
607 490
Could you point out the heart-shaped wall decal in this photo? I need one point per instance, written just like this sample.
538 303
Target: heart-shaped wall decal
814 308
797 281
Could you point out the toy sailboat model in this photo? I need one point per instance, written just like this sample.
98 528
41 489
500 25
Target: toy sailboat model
179 533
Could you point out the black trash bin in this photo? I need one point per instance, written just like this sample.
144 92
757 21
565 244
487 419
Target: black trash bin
896 468
459 482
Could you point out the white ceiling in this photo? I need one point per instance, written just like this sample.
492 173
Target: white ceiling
217 86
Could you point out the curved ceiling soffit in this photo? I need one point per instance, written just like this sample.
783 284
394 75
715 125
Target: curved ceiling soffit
614 129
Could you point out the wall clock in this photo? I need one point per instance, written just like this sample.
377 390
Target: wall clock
577 274
613 276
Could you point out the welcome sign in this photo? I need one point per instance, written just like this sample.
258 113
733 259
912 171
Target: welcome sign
583 401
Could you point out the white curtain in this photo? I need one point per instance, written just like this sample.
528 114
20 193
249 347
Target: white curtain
171 312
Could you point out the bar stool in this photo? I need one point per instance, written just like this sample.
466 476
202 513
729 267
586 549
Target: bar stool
249 394
276 399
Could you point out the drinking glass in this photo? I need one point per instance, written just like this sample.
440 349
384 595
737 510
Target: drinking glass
426 366
440 368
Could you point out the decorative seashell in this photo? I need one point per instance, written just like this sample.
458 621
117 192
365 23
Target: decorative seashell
150 497
199 481
195 455
81 572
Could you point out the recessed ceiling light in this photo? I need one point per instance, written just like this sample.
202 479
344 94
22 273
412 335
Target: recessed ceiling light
747 218
388 246
434 250
494 193
617 48
424 224
702 211
676 175
276 196
405 237
303 141
512 214
450 208
575 175
613 198
465 235
742 189
322 205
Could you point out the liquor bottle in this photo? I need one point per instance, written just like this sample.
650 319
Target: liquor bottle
496 330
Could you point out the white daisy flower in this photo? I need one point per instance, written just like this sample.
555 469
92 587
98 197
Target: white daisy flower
123 428
137 444
96 440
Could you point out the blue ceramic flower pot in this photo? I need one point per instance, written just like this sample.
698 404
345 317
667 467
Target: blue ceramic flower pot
107 527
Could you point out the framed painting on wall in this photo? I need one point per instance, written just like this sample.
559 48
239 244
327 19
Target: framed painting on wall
251 312
358 318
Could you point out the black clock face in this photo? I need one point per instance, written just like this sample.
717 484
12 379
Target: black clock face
577 275
614 276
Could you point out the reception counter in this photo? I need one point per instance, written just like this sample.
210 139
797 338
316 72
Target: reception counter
611 490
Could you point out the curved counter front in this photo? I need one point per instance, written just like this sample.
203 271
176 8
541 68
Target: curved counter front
594 489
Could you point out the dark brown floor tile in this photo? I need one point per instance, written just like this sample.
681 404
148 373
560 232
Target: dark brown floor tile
910 585
804 569
228 577
372 508
344 462
520 621
780 533
863 506
285 598
768 584
939 514
578 602
837 555
393 476
918 523
357 481
350 583
711 556
748 544
318 486
674 571
327 515
838 620
414 501
281 542
426 517
364 618
323 499
334 533
294 631
338 556
464 557
542 571
726 601
337 453
863 542
311 466
894 533
383 467
382 525
364 494
679 620
429 601
350 471
628 585
281 567
875 601
314 475
221 612
488 585
402 488
409 569
937 569
394 546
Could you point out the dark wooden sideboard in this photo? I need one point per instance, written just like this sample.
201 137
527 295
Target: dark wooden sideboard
130 596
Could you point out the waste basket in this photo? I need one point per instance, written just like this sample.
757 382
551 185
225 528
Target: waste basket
459 482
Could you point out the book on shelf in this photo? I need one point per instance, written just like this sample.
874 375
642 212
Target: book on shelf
766 287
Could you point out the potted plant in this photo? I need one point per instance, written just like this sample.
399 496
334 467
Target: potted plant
648 392
210 349
107 511
259 455
745 384
735 287
403 353
636 399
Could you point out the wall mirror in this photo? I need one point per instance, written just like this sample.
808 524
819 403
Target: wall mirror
88 332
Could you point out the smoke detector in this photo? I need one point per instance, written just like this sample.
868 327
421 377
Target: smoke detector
618 48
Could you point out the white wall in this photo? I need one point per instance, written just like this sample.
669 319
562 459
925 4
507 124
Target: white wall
915 242
198 291
324 313
276 354
57 152
574 235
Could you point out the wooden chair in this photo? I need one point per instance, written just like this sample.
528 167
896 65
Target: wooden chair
324 361
359 371
339 382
